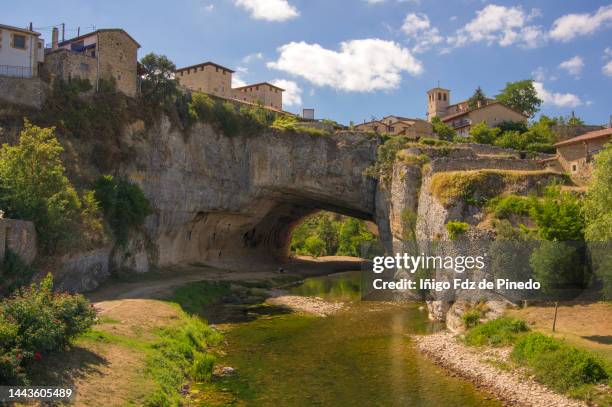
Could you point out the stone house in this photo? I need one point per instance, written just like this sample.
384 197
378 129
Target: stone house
576 154
207 77
461 117
21 51
399 126
263 93
215 79
108 54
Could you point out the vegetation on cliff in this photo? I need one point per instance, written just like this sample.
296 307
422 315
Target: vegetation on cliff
34 187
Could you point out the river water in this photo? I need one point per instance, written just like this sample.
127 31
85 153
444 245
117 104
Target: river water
361 356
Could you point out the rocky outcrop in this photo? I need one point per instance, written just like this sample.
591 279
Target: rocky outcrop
233 201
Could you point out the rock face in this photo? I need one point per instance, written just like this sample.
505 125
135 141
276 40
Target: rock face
232 201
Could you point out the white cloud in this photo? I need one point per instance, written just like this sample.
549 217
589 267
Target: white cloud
252 57
555 98
292 96
419 29
607 69
502 25
374 1
360 65
570 26
573 66
209 7
237 81
540 74
270 10
608 52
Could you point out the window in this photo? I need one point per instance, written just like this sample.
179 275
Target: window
439 96
391 129
19 41
445 97
574 168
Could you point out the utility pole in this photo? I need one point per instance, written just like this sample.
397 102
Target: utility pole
63 31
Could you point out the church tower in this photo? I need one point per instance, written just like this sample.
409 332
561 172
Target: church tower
438 100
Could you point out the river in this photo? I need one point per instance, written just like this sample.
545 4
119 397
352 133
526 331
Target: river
361 356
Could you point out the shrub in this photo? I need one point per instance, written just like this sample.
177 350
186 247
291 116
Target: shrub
559 215
558 267
443 130
124 204
13 273
385 157
314 246
483 134
556 364
456 229
36 321
498 332
471 318
510 205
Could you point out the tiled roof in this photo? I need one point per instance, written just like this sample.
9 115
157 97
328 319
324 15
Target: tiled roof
586 136
70 40
454 116
204 64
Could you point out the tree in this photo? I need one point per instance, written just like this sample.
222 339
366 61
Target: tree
442 130
558 215
598 213
557 266
34 187
521 96
315 246
483 134
158 82
478 96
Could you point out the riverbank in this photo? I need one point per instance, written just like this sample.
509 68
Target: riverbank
489 370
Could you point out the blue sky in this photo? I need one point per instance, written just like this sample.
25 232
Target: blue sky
358 59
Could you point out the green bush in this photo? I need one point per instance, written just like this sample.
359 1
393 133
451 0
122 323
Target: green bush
456 229
471 318
124 204
14 273
483 134
559 215
314 246
510 205
556 364
498 332
36 321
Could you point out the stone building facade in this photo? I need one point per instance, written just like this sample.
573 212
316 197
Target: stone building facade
576 154
461 117
399 126
207 77
103 55
263 93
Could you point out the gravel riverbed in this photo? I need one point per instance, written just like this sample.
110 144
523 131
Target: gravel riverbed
513 387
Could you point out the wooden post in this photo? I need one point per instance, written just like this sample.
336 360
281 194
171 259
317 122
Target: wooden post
555 318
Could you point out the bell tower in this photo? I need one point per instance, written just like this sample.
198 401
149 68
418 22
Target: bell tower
438 100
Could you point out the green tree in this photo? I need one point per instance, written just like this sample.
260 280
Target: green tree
443 130
483 134
558 215
478 96
315 246
598 202
521 96
598 213
158 82
34 187
557 266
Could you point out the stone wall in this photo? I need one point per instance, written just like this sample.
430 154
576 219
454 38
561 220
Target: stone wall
19 236
29 92
66 65
117 55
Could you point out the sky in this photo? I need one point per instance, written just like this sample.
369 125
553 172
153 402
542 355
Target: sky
355 60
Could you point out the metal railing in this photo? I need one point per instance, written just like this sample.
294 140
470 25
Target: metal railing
15 71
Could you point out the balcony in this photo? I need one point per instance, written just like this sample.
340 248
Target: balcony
15 71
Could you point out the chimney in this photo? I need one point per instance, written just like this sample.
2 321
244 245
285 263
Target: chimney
54 38
31 27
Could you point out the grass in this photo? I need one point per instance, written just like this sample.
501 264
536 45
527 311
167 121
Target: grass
504 207
498 332
195 296
558 365
456 229
478 186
